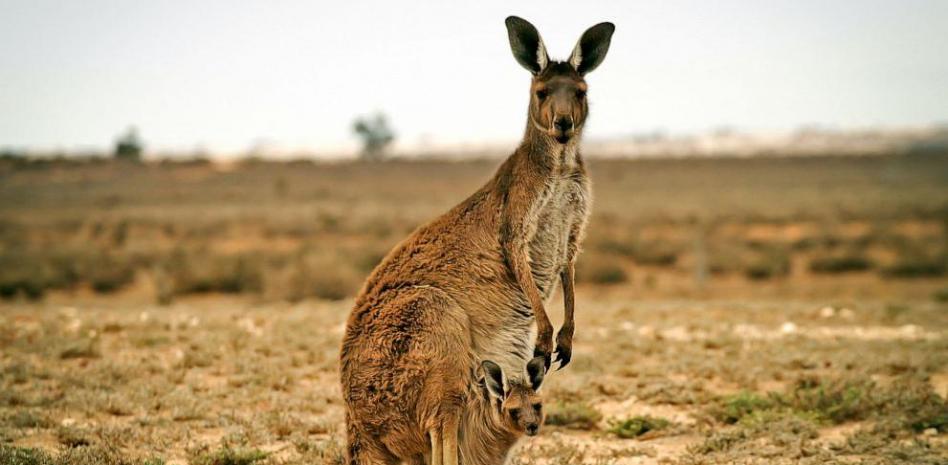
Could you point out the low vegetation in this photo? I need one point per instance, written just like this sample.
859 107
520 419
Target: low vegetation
225 456
846 263
901 410
289 231
729 311
635 427
574 415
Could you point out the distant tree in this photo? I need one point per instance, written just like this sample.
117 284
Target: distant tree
129 146
375 134
11 154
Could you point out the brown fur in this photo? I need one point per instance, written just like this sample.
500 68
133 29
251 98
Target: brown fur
467 287
490 427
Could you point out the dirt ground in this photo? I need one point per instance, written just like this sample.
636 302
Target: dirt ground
228 380
748 311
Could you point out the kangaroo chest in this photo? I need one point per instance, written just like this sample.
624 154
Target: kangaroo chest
506 332
563 211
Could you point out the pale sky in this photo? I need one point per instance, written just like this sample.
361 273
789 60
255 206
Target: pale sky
223 75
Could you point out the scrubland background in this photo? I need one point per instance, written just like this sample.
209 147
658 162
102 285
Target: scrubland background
730 310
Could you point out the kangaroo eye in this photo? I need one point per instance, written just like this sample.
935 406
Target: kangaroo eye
537 407
580 94
541 94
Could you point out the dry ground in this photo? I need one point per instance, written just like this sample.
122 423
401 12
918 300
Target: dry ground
730 311
228 381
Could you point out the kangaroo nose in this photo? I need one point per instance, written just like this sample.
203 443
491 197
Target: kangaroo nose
532 429
564 123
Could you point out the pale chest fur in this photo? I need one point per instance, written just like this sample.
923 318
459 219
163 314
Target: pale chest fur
507 337
563 211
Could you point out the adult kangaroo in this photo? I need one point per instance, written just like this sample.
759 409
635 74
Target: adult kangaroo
468 286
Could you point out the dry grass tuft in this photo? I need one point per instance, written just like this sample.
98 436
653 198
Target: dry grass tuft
573 415
634 427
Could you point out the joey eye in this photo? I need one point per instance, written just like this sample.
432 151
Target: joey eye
514 415
580 94
537 406
541 94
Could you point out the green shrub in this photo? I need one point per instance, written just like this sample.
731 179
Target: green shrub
600 269
23 275
760 271
771 262
23 456
941 295
226 456
649 253
914 404
654 254
27 419
574 415
72 437
732 409
109 275
917 267
615 247
84 348
837 401
840 264
636 426
321 274
82 455
201 273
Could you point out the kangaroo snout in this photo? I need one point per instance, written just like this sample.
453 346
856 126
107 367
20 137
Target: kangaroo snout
532 429
564 123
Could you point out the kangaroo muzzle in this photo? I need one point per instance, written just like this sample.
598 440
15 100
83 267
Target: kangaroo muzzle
563 128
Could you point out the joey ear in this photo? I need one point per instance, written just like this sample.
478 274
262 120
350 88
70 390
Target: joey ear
536 369
526 44
592 47
494 379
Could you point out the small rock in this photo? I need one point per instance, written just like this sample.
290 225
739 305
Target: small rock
73 326
247 324
788 328
68 312
827 312
909 330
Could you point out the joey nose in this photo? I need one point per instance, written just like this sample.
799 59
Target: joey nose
563 123
532 429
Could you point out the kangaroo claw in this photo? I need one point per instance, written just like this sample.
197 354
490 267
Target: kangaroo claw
546 357
563 356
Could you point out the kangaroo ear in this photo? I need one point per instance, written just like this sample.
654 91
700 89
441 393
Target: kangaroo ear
493 379
526 44
592 47
536 369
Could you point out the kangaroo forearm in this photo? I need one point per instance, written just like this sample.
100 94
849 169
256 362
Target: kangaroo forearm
569 298
524 274
515 236
576 232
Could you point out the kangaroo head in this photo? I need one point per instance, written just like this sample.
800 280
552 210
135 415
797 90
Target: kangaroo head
517 403
558 105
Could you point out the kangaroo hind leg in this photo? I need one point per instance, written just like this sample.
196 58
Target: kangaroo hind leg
449 433
436 446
